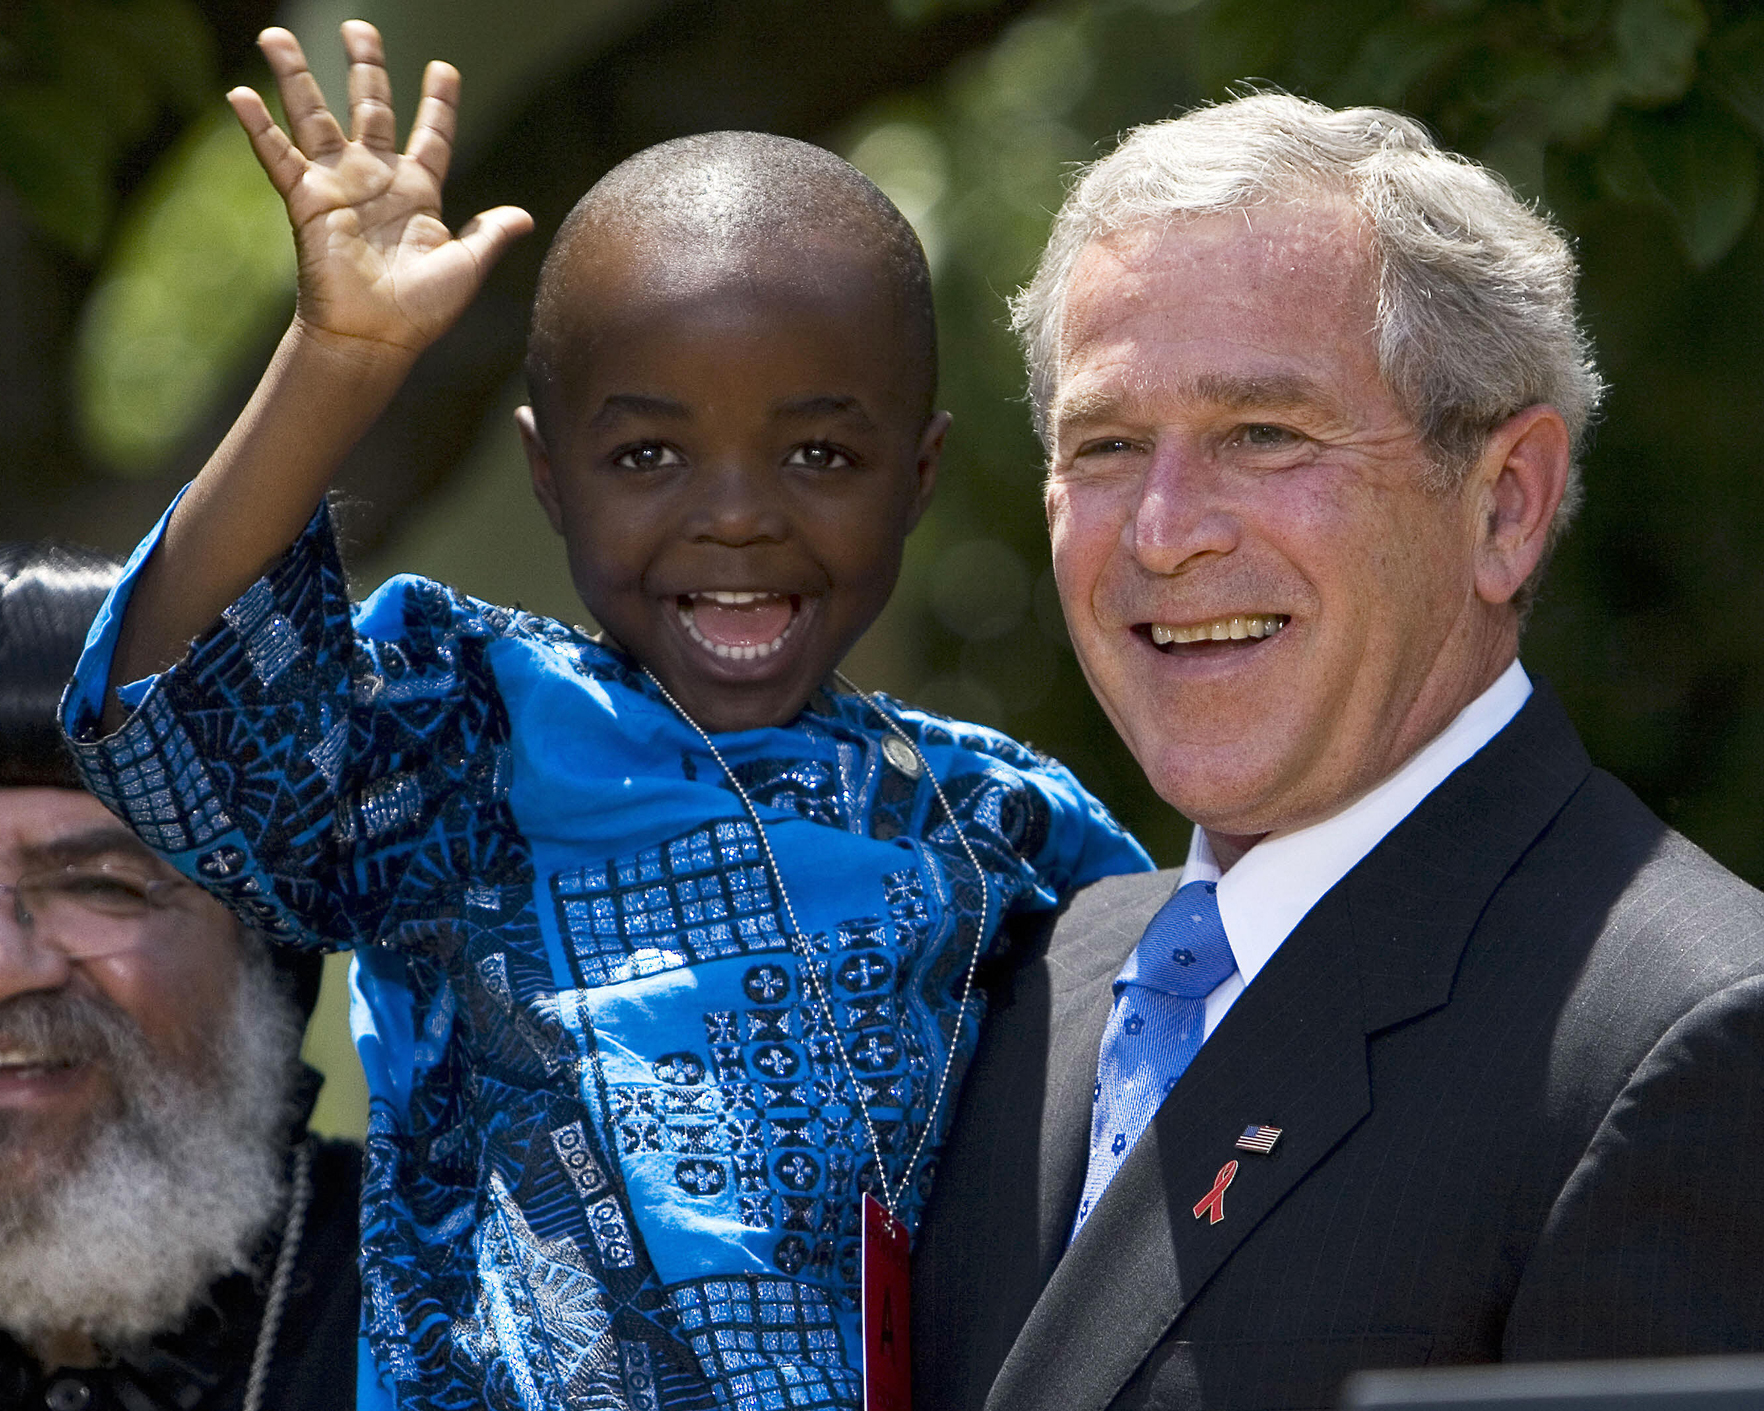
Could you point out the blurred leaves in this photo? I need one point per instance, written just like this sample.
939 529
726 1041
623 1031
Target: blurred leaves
1698 163
1736 72
922 11
1655 42
83 81
1655 86
202 274
1399 53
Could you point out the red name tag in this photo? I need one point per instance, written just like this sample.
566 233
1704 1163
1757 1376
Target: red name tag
888 1362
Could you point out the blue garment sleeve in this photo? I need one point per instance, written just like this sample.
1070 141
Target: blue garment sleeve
302 761
1084 842
1039 833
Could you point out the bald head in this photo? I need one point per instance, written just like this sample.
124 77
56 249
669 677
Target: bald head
720 206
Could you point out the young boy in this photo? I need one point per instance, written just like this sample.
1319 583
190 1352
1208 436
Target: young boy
666 944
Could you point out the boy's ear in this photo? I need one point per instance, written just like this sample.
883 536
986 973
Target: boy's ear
930 454
539 463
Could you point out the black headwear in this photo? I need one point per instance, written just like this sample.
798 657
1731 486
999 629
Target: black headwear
49 594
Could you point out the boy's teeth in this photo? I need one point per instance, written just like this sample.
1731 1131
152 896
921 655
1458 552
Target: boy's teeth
1220 629
737 625
733 599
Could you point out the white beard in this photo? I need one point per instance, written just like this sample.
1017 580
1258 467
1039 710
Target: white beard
171 1193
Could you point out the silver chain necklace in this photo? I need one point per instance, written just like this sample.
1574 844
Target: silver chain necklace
800 947
299 1199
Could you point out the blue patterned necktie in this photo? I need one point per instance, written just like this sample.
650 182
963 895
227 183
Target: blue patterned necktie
1155 1028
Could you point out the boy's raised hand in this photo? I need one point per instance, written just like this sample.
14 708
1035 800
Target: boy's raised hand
380 279
376 263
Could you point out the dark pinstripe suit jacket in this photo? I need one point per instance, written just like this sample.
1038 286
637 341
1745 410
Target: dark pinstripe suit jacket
1517 1057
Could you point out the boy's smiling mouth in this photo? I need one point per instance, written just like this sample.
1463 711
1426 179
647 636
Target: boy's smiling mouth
739 624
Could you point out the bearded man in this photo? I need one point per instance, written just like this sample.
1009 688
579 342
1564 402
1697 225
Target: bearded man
171 1238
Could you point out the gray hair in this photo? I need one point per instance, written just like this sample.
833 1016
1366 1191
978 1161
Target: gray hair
1476 314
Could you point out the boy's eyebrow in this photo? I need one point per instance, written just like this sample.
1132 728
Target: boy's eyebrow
810 408
637 404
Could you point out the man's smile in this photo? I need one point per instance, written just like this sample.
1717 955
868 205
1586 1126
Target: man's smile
32 1076
739 624
1232 628
14 1059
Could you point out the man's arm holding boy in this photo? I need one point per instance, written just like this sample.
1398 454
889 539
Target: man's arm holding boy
380 278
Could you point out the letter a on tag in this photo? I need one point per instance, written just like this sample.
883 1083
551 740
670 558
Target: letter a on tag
888 1363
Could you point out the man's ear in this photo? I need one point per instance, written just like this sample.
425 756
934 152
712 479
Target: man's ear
929 457
1519 483
539 464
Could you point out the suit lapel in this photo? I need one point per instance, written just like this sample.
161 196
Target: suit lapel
1381 947
1279 1057
1415 899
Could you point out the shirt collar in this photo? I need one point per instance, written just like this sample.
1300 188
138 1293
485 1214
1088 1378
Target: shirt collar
1276 883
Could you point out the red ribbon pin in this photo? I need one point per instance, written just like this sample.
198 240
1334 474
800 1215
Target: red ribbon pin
1212 1204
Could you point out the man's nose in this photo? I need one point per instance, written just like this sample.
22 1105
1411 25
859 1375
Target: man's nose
1183 516
740 506
28 962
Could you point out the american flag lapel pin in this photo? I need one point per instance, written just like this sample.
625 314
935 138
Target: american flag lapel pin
1258 1139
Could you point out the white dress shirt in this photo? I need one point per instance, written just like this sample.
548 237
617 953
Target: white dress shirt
1273 885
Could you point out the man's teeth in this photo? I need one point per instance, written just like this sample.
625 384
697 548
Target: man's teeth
28 1058
1220 629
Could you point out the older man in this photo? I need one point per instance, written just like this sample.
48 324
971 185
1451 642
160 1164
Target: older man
170 1237
1445 1049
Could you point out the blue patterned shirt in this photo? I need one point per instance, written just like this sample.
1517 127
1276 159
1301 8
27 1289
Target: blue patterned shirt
613 1158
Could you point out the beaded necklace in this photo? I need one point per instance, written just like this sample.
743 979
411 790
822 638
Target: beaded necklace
892 1197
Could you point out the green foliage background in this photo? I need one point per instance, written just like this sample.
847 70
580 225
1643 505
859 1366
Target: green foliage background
148 269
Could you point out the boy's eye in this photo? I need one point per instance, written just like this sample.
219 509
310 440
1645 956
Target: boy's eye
651 455
818 455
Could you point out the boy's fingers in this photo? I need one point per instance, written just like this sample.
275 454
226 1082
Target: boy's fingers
309 120
437 118
370 91
280 158
486 235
